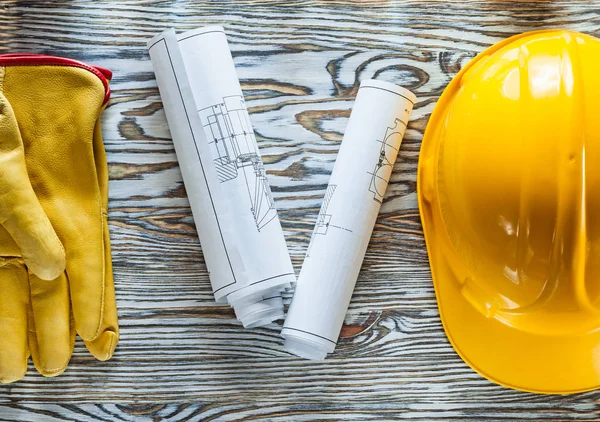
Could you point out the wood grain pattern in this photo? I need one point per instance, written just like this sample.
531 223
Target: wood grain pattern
300 64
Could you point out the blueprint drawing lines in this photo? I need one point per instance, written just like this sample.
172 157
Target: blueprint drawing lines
324 219
235 154
380 176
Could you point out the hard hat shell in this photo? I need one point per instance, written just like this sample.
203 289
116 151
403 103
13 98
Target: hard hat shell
509 196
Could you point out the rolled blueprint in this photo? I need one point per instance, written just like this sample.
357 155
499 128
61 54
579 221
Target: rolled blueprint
347 217
235 215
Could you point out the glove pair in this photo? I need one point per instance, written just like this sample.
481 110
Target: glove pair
55 261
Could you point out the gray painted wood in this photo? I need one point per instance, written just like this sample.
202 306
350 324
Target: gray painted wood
300 63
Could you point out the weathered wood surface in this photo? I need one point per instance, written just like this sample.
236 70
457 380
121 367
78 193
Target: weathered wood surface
300 63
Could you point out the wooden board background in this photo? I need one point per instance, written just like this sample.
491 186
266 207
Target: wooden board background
300 63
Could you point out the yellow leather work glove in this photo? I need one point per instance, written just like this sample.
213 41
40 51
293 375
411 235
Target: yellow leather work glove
55 261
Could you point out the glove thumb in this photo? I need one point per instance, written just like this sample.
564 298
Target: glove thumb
21 213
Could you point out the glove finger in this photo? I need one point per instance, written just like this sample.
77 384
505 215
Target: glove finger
13 321
88 285
20 211
51 332
90 271
104 345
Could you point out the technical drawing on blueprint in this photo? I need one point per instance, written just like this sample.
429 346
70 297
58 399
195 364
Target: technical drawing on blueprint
380 176
324 219
235 153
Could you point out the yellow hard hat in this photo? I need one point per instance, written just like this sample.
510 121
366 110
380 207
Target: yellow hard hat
509 195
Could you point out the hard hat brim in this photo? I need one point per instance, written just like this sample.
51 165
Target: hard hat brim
512 357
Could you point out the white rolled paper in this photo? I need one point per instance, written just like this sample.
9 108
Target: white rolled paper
347 217
226 182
